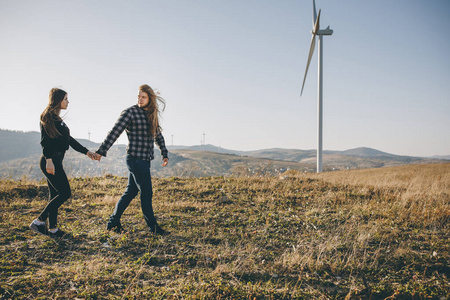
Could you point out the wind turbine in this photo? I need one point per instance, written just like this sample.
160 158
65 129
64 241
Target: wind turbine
317 31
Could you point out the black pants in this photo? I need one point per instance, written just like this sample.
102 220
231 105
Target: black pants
59 189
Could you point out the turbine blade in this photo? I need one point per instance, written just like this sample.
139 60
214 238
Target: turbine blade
311 52
316 26
314 13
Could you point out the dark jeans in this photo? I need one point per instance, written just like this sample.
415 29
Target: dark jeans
59 189
139 179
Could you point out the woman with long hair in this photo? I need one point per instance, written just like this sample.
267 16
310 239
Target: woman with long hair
141 122
55 140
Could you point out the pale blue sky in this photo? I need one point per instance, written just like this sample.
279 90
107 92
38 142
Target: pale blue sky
233 70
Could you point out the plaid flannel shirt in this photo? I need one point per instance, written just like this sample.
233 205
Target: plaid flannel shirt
140 143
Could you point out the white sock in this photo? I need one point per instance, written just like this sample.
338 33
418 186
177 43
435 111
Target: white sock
53 230
38 222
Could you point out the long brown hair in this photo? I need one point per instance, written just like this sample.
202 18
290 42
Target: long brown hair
51 112
153 110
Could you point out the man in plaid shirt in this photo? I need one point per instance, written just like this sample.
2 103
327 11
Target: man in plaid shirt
140 143
140 124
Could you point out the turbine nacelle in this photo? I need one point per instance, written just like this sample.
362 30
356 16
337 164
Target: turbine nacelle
326 31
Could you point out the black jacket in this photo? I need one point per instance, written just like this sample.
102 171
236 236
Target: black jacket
59 145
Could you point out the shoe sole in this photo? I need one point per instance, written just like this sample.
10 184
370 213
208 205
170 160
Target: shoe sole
34 228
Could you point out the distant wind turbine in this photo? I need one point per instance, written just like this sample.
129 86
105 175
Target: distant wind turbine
316 31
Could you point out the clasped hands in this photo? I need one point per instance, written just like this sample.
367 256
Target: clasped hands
96 156
93 156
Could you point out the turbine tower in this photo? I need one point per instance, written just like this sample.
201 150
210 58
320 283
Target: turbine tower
317 31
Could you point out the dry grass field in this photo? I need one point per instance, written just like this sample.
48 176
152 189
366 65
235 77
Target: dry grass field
360 234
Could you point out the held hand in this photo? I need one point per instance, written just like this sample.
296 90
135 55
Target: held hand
98 156
165 162
91 155
50 168
94 156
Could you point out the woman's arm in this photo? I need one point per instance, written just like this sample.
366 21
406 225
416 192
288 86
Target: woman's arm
48 151
80 148
46 144
77 146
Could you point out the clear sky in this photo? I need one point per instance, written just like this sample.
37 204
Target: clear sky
233 70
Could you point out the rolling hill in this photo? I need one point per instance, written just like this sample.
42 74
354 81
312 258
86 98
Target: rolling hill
20 152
